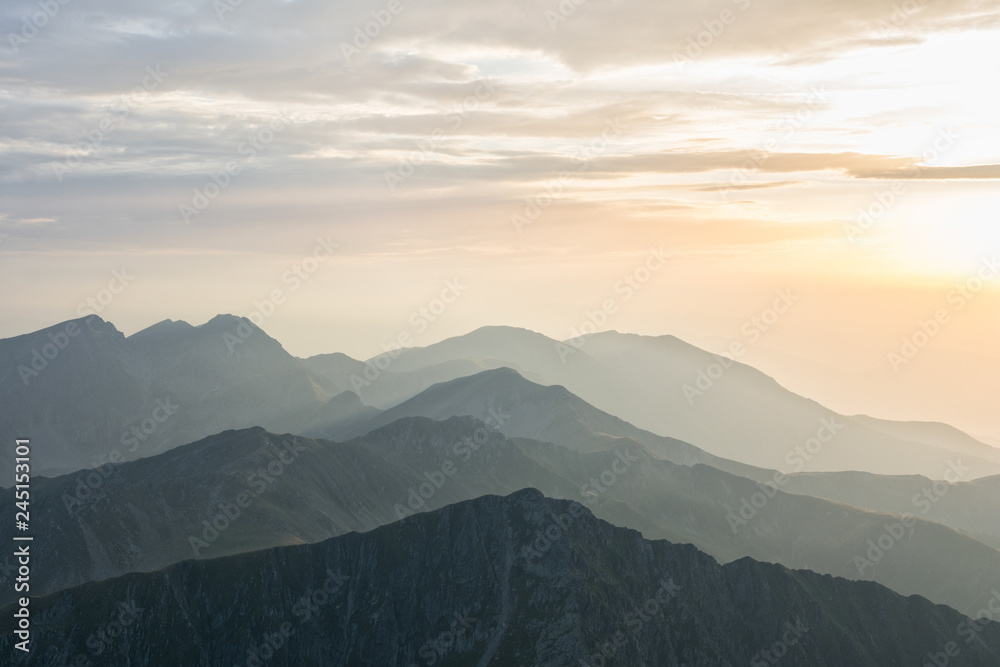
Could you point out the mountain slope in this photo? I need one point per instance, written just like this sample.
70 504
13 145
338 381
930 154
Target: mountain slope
337 419
735 411
104 397
247 490
969 507
473 584
382 384
71 386
520 408
931 433
674 389
258 490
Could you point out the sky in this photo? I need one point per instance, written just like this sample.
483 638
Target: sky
352 172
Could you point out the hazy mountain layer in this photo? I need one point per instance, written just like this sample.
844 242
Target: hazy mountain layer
521 408
104 397
518 407
726 408
246 490
92 395
970 507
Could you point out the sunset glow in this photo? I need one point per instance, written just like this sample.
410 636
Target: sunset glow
850 152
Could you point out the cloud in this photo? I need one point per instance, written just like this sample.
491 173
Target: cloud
557 83
921 172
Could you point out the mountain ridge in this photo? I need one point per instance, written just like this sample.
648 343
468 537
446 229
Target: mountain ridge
590 591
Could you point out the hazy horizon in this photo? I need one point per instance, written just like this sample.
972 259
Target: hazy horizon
815 381
808 189
846 153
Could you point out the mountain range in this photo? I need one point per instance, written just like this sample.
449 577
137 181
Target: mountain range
203 449
516 580
104 396
246 490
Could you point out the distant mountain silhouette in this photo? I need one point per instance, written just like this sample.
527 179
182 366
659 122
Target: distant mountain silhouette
246 490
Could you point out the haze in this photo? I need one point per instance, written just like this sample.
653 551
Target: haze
742 140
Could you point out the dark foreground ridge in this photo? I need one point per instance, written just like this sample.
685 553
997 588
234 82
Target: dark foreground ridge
515 580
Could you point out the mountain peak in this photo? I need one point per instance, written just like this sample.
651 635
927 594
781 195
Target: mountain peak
346 399
162 328
225 320
90 325
503 328
502 333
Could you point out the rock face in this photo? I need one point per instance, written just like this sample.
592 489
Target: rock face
516 580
